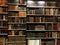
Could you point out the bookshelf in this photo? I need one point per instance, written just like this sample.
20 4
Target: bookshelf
43 22
16 22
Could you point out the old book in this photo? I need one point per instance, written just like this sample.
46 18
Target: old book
58 34
39 27
49 27
55 27
19 38
31 19
21 2
56 11
13 8
36 19
51 11
31 42
9 33
54 34
46 11
22 14
2 40
50 42
9 27
58 42
1 10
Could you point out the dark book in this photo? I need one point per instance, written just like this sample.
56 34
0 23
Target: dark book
58 34
31 19
58 42
55 27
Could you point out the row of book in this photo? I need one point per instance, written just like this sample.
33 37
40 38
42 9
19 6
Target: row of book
43 42
38 3
3 2
3 9
3 23
43 19
20 14
44 27
17 26
17 1
16 7
43 35
13 32
44 11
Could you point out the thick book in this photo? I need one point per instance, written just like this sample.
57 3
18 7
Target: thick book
31 19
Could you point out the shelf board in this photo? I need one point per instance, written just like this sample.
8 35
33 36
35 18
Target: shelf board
43 30
15 42
3 34
23 5
16 35
37 15
16 23
3 27
4 13
40 22
3 20
40 38
16 16
18 29
3 5
42 7
13 3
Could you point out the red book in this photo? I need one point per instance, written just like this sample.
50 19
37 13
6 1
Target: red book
36 19
58 42
55 27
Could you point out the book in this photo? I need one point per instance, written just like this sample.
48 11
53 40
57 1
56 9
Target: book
2 40
46 11
39 27
58 34
13 8
21 2
58 42
55 27
51 11
54 34
22 14
31 19
1 10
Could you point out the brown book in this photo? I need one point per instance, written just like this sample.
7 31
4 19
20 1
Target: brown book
4 2
22 14
58 34
47 11
9 33
2 40
51 11
31 19
13 8
1 10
